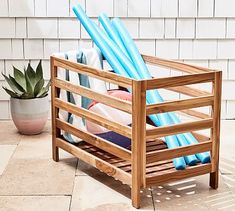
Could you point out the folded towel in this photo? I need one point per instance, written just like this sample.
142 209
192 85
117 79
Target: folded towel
91 57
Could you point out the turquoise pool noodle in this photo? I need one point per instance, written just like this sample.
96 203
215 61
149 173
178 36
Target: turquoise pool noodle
100 42
160 119
164 118
122 58
111 31
203 157
132 72
138 61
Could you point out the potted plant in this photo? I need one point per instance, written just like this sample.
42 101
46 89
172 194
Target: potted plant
28 99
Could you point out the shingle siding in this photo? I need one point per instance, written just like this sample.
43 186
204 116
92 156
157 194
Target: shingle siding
200 32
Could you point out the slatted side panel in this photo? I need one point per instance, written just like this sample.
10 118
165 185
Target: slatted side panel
108 100
159 166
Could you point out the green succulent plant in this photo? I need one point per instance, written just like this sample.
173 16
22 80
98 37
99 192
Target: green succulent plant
27 84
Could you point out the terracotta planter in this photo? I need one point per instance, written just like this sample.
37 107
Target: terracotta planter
29 115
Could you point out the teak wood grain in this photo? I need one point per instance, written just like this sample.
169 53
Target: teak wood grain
90 71
177 105
95 140
93 117
106 167
179 128
186 90
166 154
149 162
102 98
54 111
158 83
215 133
138 140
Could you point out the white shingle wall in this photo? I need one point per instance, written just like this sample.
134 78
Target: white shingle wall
200 32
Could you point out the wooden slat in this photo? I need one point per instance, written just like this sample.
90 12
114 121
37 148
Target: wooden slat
158 83
179 128
179 104
102 98
90 71
166 154
186 90
200 137
94 161
93 117
194 113
187 68
95 140
190 171
138 146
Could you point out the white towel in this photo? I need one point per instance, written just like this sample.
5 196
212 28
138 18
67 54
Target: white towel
93 58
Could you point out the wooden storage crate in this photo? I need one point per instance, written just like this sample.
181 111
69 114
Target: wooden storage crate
149 162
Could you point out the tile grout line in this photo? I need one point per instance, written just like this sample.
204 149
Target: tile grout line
29 195
154 208
70 203
16 145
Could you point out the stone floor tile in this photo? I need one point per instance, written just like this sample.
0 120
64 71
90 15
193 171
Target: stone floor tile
8 133
32 172
34 203
227 165
227 142
103 193
193 194
37 147
6 152
229 180
38 176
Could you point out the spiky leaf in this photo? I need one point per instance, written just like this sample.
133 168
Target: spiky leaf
29 86
48 85
31 75
12 85
44 90
12 94
39 72
19 77
16 84
38 86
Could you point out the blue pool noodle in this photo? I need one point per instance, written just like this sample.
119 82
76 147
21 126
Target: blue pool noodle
98 40
155 97
132 72
115 64
110 30
203 157
112 33
179 162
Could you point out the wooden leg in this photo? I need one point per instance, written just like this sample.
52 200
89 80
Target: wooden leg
55 149
215 132
55 153
135 197
138 145
54 112
214 179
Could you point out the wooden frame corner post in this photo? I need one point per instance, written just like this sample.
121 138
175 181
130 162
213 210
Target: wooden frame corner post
215 133
54 111
138 145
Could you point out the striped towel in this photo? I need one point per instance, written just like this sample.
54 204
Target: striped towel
91 57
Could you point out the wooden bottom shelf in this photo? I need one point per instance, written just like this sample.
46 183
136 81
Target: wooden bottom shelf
156 173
